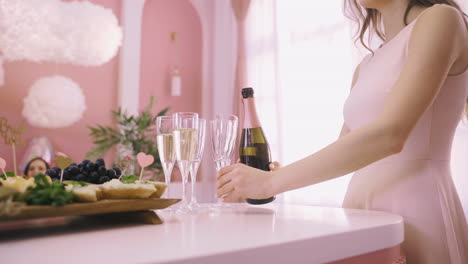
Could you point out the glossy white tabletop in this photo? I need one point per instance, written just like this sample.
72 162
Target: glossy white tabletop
243 234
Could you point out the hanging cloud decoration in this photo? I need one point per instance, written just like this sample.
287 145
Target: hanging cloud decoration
54 102
79 33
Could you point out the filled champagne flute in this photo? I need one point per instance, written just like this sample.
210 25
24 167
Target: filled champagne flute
196 162
185 144
223 139
165 141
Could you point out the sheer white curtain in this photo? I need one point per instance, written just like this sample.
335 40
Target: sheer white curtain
262 68
301 58
301 63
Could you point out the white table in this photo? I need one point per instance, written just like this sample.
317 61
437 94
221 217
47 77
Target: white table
243 234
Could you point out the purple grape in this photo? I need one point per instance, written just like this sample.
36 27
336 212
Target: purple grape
66 176
90 167
80 177
103 179
51 173
118 171
101 162
73 170
93 177
102 170
111 174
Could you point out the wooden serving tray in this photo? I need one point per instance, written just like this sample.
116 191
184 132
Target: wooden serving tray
99 207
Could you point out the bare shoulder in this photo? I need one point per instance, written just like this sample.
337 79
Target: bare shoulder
441 18
445 13
440 33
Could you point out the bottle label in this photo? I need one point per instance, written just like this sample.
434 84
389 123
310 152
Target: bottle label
248 151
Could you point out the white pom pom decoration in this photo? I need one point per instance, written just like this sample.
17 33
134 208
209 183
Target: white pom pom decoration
54 102
79 33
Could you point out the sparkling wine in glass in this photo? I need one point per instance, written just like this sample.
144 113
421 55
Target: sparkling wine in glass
185 144
196 162
165 141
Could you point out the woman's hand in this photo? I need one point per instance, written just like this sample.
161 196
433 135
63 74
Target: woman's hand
274 166
238 182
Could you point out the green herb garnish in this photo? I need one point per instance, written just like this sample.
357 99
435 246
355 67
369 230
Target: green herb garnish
129 179
8 174
46 193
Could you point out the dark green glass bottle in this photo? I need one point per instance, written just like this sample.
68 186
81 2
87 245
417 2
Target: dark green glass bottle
254 149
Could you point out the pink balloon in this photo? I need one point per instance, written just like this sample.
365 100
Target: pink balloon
144 160
2 164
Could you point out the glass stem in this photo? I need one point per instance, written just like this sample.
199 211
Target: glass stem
193 178
184 200
184 167
167 168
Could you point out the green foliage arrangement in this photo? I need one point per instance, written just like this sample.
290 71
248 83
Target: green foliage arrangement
134 131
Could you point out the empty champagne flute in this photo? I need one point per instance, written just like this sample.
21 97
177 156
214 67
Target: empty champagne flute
196 162
223 139
185 145
164 128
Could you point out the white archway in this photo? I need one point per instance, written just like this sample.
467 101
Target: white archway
130 61
130 54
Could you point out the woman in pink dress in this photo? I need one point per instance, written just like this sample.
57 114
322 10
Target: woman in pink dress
406 101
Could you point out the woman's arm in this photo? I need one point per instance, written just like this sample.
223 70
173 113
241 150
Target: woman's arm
434 46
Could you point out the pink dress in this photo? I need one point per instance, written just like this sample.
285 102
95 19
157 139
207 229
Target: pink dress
415 183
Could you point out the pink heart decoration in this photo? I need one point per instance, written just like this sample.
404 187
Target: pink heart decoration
2 164
144 160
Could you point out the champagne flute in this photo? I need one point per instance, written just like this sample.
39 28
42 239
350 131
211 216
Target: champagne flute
223 139
165 140
185 145
196 162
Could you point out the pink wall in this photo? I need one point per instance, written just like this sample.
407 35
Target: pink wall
159 55
99 85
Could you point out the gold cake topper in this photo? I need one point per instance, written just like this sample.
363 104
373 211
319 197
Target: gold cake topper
11 135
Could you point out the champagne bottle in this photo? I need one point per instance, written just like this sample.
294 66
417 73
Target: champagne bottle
254 150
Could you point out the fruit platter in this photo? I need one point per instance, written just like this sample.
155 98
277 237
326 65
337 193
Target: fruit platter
71 189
